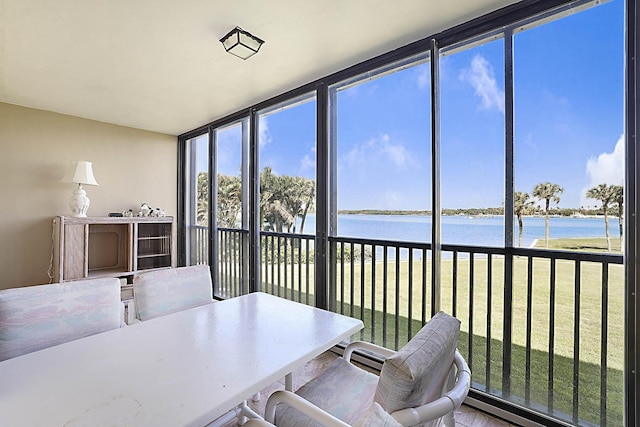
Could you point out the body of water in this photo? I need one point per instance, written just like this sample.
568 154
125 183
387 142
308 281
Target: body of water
463 230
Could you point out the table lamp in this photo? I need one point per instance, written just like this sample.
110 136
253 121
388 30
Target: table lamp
80 172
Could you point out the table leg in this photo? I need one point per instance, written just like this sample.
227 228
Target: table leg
226 418
245 413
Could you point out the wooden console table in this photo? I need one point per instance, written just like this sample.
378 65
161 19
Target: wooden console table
110 247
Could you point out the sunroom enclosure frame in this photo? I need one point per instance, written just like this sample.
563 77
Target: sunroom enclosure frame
495 21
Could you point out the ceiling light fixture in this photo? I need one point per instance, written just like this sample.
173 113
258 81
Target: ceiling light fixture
241 43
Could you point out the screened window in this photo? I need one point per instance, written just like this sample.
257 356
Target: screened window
197 200
381 161
472 144
287 159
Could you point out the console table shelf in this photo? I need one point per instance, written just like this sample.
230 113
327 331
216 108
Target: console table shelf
110 247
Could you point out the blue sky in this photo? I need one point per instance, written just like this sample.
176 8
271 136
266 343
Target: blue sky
568 79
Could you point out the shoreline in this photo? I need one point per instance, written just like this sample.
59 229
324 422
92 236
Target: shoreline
464 215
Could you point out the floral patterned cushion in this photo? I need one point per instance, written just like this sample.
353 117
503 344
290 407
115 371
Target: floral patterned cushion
343 390
36 317
161 292
416 374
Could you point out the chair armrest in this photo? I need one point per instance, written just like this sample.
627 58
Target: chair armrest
449 402
302 405
362 345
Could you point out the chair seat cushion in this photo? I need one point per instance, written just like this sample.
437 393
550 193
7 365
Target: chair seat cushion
343 390
37 317
376 416
416 374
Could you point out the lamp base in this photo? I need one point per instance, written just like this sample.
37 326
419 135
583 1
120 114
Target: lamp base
79 203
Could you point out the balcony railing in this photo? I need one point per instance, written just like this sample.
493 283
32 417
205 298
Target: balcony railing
232 263
198 244
232 277
287 266
549 339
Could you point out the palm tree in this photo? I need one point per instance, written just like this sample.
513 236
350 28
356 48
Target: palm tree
308 192
521 206
302 195
276 201
202 199
618 197
271 206
547 191
283 198
605 194
229 200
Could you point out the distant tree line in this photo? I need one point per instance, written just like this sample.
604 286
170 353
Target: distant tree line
283 199
535 210
611 198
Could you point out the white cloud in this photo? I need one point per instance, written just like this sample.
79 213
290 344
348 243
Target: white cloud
379 147
481 77
397 153
424 76
307 163
607 168
265 135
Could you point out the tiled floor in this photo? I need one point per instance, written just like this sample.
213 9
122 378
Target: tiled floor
465 416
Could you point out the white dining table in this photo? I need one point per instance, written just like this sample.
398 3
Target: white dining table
184 369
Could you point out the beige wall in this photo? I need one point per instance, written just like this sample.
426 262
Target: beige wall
36 148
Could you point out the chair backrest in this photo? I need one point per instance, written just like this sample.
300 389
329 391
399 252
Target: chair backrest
37 317
160 292
416 374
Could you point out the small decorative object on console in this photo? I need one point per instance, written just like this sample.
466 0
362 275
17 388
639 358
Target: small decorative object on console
145 210
157 212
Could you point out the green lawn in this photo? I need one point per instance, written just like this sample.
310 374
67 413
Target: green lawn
486 300
483 298
593 244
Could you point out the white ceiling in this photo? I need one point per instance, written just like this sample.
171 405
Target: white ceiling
157 64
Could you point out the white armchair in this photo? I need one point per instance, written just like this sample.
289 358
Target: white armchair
422 384
37 317
160 292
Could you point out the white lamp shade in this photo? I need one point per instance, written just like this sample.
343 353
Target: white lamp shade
80 172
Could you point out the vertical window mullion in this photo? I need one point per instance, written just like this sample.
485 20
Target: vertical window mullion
212 203
508 211
254 205
246 207
325 297
436 254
